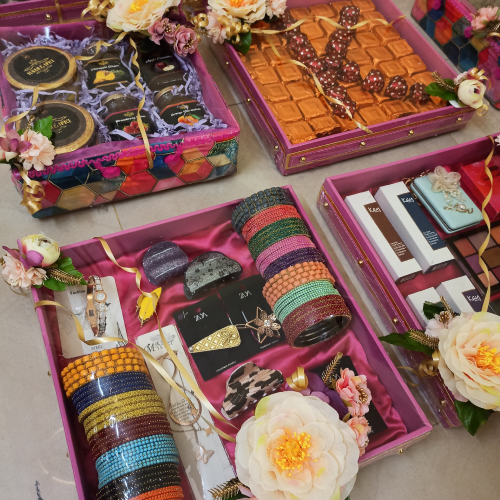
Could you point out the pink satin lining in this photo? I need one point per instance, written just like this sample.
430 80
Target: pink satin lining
224 239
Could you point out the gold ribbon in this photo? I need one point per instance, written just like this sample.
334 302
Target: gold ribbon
429 367
98 10
298 380
200 21
486 302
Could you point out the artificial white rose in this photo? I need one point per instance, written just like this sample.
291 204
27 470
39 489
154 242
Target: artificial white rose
45 246
470 359
296 447
471 93
250 11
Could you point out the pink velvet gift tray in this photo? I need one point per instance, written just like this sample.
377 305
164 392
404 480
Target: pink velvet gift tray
208 230
113 171
290 158
389 298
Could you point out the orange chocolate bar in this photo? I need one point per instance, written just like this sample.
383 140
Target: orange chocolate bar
345 123
327 27
322 10
288 112
367 40
399 48
250 70
358 56
375 17
390 69
272 58
395 109
372 115
380 97
312 30
337 6
319 46
276 92
364 5
299 132
300 90
312 108
301 13
364 70
266 75
256 59
325 125
365 27
386 34
264 43
289 72
413 64
379 54
361 97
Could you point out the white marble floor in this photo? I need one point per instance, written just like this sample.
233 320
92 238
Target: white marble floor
449 464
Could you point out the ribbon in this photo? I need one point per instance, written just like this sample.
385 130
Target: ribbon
98 10
429 367
298 380
482 248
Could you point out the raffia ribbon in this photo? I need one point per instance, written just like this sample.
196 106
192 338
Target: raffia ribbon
298 380
98 10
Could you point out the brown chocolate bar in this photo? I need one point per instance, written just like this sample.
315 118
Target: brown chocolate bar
375 17
426 78
345 123
325 125
390 69
300 132
271 57
263 41
312 108
301 13
386 34
413 64
361 97
337 6
289 72
380 97
287 112
367 40
312 30
365 27
266 75
372 115
399 48
327 27
364 70
359 56
364 5
395 109
320 45
276 92
379 54
322 10
256 59
300 90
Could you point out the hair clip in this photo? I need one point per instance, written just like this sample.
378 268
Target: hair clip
449 184
225 338
266 325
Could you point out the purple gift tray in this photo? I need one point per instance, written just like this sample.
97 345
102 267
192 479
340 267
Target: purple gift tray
290 158
389 298
89 256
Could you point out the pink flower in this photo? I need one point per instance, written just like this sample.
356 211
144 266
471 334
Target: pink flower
18 276
41 152
361 428
11 145
247 493
162 29
185 41
215 30
483 17
354 392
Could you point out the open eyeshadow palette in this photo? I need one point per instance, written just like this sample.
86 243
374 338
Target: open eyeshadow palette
403 256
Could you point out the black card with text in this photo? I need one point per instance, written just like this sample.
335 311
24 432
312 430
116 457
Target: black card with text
373 416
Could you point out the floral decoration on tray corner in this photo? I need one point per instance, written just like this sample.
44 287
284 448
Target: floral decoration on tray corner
485 23
464 349
38 262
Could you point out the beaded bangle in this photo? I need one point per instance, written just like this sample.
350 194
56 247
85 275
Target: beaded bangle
123 397
301 295
256 203
141 481
105 387
292 258
99 354
280 248
266 217
276 232
148 410
168 493
292 277
311 313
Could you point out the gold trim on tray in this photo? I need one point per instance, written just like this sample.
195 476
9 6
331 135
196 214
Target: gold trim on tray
59 9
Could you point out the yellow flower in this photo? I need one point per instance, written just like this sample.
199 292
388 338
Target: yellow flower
44 245
249 11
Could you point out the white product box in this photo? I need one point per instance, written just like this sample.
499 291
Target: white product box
461 295
417 300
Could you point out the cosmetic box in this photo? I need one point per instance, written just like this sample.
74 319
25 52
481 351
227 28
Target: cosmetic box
444 22
118 170
290 158
390 298
211 227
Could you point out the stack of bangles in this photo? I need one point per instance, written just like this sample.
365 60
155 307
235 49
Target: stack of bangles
299 286
126 425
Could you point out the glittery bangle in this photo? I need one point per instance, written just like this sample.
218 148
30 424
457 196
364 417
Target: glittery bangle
168 493
266 217
280 248
293 277
276 232
313 312
301 295
292 258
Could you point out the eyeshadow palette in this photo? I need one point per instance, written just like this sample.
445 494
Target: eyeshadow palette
466 246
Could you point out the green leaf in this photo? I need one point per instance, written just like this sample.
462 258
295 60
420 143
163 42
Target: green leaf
471 415
237 496
244 44
435 89
21 131
431 309
44 126
55 285
449 82
404 340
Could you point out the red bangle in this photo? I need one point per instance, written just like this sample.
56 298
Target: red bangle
167 493
313 312
292 277
263 219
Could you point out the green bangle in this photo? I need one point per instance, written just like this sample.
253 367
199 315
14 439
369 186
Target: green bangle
302 294
275 232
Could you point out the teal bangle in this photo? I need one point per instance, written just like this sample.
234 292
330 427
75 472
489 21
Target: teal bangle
275 232
302 294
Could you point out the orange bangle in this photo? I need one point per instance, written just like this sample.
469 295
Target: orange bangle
167 493
294 276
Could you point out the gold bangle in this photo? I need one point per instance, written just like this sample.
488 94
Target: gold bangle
113 399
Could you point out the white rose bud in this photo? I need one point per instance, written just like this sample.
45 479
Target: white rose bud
471 93
44 245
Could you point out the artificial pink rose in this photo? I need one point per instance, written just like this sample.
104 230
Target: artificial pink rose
41 152
215 30
361 428
162 29
11 144
483 17
185 41
18 276
354 392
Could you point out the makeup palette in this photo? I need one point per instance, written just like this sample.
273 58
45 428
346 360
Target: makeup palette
465 247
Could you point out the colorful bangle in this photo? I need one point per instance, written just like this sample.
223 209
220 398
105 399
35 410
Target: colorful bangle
313 312
168 493
293 277
266 217
141 481
280 248
301 295
292 258
276 232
